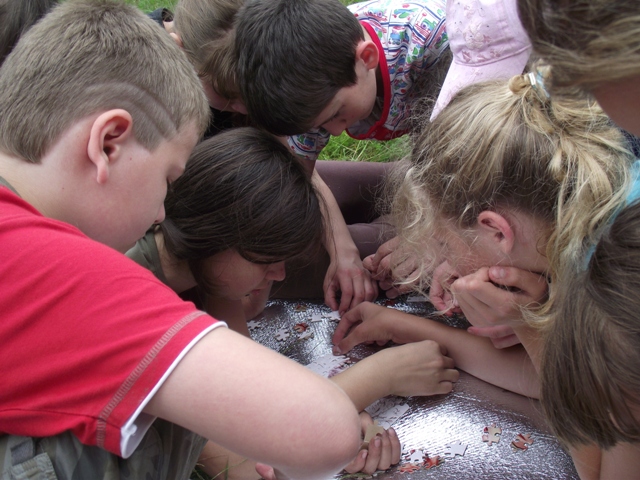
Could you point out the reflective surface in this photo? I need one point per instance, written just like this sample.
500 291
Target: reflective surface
433 423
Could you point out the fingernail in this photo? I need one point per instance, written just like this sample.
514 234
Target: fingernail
498 272
455 303
364 454
377 441
392 432
336 350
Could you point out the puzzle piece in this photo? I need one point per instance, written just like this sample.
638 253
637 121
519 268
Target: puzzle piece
372 430
389 302
282 334
416 298
408 468
316 317
387 410
306 335
301 327
328 363
522 442
491 433
300 308
455 449
416 456
334 315
431 462
253 324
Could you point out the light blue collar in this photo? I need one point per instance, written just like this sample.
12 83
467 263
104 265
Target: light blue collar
632 196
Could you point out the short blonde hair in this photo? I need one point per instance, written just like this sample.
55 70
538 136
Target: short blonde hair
500 145
587 42
88 56
207 31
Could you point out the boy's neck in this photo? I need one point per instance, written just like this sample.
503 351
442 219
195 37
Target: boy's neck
177 272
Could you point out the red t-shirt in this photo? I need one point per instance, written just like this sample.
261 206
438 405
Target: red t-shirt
85 333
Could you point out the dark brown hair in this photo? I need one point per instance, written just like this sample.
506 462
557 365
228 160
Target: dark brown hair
293 56
242 190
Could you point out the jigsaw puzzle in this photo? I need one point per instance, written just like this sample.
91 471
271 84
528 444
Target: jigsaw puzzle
253 324
386 411
455 449
301 327
431 462
491 434
282 335
522 442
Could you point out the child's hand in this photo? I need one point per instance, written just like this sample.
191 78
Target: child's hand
384 450
347 275
365 323
419 368
439 294
380 266
494 296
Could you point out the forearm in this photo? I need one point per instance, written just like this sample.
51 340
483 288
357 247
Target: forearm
509 368
337 236
362 382
242 395
587 460
531 341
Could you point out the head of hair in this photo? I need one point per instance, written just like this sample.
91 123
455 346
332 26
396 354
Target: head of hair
293 57
503 145
587 42
89 56
242 190
16 16
207 31
590 369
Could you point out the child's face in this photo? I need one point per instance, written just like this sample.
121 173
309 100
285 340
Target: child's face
621 101
236 277
221 103
467 251
350 104
139 188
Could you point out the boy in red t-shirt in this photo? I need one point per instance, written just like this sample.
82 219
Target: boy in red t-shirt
99 113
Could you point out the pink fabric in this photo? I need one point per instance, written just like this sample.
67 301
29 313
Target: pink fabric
487 42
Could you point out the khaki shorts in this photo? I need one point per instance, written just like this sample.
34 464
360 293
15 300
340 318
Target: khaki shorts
167 451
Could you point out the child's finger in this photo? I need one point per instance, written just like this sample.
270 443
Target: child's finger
358 463
375 453
385 454
396 447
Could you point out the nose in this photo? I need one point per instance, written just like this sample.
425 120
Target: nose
238 107
276 272
160 216
335 127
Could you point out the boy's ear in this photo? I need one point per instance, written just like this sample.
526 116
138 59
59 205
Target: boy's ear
498 229
367 51
109 133
177 39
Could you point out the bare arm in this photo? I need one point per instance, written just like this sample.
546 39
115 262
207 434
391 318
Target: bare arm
509 368
346 272
407 370
242 395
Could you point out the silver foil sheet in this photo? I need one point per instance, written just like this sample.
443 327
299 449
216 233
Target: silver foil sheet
433 423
